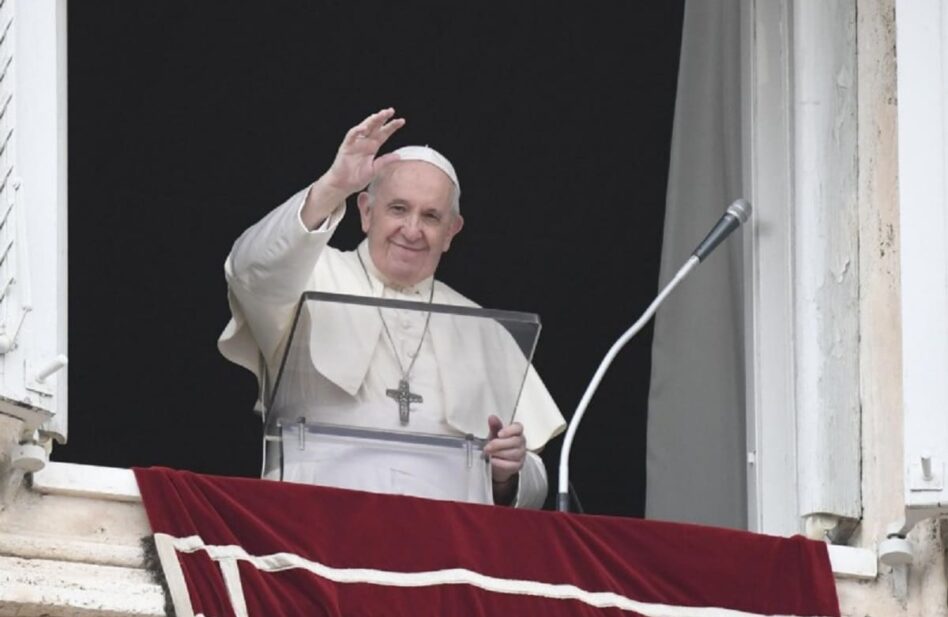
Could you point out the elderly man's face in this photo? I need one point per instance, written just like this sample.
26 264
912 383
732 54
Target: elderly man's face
409 222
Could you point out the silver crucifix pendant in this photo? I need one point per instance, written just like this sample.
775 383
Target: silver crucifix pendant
404 397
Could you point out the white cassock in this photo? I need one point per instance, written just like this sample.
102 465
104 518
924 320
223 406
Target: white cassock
277 259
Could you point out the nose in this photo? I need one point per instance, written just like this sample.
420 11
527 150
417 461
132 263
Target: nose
412 229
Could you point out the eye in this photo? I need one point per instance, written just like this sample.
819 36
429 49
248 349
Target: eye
397 208
433 217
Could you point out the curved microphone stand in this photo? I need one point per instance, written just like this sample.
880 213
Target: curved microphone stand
736 214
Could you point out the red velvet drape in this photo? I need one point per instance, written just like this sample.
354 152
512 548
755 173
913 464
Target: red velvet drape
641 561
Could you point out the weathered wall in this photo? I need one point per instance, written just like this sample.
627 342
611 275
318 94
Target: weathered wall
922 590
75 555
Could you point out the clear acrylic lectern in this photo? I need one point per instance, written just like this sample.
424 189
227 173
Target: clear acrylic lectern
392 396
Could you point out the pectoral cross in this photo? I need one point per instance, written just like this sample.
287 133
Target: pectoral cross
404 397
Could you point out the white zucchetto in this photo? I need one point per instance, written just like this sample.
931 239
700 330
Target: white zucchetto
429 155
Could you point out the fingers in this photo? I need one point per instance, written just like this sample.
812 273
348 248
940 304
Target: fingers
370 124
378 128
507 456
497 429
376 120
507 447
514 429
384 127
384 160
356 164
389 129
494 426
505 442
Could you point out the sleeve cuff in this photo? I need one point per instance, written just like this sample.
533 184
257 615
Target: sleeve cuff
532 483
329 223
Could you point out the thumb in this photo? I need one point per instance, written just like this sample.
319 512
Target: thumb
384 160
494 424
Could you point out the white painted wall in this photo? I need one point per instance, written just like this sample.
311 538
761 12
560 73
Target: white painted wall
878 255
33 208
919 589
768 157
802 263
923 200
826 257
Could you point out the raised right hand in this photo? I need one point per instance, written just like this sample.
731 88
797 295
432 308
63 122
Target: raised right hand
355 165
356 161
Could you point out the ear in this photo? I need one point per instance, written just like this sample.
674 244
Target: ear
363 201
457 223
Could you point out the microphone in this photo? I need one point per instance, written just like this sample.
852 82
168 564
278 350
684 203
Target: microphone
738 212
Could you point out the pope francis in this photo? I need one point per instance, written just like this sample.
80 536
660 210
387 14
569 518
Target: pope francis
409 208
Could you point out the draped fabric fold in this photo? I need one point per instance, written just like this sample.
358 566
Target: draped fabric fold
235 546
696 444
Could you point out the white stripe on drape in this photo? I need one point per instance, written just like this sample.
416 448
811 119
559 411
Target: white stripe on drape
174 576
278 562
235 589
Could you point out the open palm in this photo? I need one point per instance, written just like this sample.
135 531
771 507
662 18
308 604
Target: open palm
356 161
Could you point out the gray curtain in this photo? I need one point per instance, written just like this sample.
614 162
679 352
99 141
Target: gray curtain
696 442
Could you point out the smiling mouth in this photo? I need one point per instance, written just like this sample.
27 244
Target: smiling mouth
409 248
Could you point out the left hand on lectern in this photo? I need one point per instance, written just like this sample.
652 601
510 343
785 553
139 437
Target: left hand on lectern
507 448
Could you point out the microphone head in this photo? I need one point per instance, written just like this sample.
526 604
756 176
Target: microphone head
740 209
